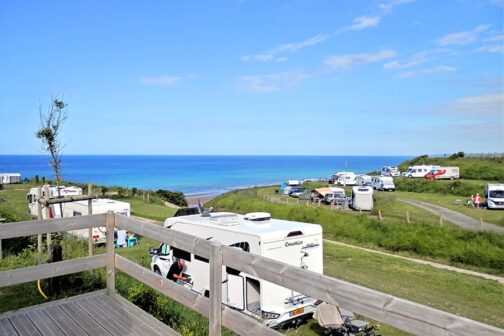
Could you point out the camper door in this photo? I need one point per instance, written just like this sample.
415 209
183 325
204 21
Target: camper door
235 293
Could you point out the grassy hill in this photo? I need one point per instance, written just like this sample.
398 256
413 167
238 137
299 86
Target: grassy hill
474 168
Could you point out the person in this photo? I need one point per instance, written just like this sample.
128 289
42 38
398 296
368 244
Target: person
176 271
469 201
477 200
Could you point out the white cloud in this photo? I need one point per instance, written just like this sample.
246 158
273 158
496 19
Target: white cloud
490 105
272 82
167 80
294 47
363 22
495 48
495 38
463 37
346 62
418 58
388 6
498 3
428 71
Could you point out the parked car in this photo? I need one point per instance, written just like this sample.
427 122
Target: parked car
334 195
296 192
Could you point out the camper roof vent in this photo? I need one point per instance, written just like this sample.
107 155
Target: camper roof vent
224 218
258 216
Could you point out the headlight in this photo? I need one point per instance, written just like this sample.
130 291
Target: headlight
489 201
269 316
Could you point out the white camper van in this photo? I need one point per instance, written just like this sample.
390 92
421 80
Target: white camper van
54 209
100 206
10 178
347 179
390 171
448 173
384 183
420 171
494 194
294 243
363 180
362 198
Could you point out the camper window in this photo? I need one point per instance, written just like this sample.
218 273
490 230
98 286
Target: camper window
181 254
253 296
76 213
164 250
242 245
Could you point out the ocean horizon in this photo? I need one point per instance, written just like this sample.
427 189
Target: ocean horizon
193 174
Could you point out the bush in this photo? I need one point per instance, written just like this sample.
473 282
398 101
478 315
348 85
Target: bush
445 187
174 197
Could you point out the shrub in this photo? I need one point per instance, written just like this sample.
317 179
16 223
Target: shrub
174 197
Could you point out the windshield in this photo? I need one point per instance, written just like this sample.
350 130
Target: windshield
497 194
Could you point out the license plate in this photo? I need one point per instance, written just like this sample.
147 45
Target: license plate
296 312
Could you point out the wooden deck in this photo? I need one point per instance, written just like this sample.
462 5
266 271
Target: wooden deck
91 314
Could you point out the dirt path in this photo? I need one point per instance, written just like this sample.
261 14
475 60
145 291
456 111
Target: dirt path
424 262
454 217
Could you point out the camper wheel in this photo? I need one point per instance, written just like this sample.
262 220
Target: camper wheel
157 270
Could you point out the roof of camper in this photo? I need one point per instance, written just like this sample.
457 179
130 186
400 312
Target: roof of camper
101 201
272 228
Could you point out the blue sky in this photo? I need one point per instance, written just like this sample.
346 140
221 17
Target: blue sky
245 77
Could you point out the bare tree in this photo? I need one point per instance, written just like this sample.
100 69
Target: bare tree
50 127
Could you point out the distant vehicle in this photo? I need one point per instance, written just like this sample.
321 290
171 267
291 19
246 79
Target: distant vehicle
390 171
294 243
287 186
405 173
99 206
54 209
384 183
362 198
336 176
420 171
336 194
494 194
443 173
347 179
296 192
10 178
363 180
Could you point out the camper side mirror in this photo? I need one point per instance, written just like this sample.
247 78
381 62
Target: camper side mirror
153 251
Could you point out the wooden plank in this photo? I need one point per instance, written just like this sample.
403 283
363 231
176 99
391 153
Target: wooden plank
63 321
402 314
23 325
86 322
44 271
110 224
215 316
180 240
141 315
121 316
29 228
237 322
103 318
48 216
44 324
6 328
90 212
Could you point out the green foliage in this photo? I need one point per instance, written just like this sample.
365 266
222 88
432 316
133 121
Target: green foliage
457 246
134 191
104 190
445 187
491 169
174 197
36 179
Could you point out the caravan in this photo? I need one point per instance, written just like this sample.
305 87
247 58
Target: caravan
10 178
54 210
99 206
294 243
362 198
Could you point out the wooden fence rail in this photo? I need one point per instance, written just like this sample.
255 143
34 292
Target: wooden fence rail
402 314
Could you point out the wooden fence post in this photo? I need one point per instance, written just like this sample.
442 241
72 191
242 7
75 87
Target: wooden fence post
379 215
215 314
441 220
481 222
90 212
407 217
110 224
48 215
39 237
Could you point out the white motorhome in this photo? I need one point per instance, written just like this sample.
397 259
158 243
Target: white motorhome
419 171
363 180
390 171
10 178
99 206
347 179
294 243
54 209
384 183
448 173
494 194
362 198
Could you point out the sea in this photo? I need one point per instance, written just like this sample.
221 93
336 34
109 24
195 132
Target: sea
193 175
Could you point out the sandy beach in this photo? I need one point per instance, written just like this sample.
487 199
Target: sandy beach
193 199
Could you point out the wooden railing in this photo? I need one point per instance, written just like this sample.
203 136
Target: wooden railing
402 314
